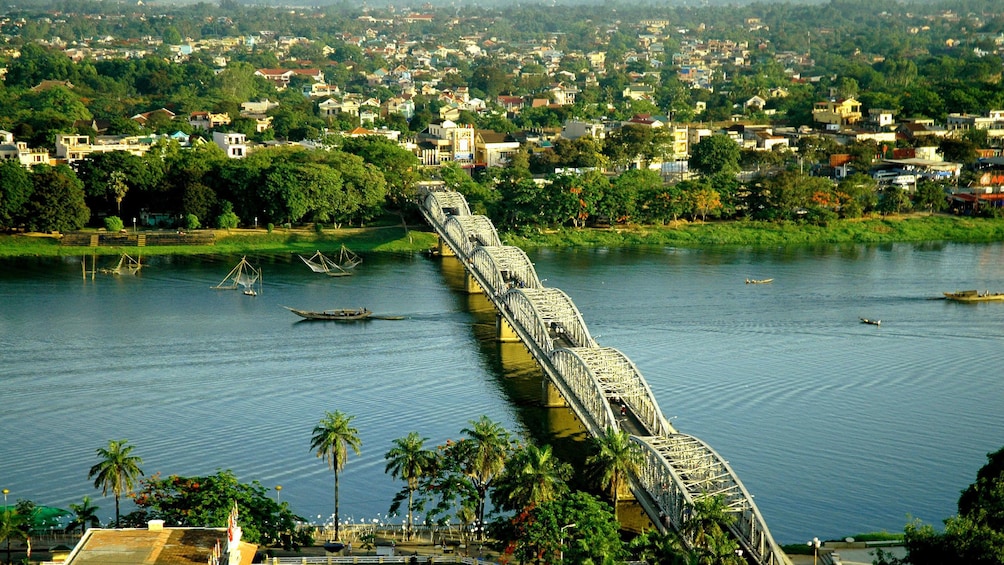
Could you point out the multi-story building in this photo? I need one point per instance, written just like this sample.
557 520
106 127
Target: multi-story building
837 113
11 150
233 144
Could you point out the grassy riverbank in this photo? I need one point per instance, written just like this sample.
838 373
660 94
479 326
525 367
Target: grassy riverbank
913 228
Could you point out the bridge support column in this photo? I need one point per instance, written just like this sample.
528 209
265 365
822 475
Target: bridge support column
504 331
444 250
471 286
550 395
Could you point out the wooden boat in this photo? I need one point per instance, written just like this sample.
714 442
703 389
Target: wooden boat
342 315
245 276
974 296
870 321
759 281
320 263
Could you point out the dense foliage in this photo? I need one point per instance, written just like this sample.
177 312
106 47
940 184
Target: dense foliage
206 502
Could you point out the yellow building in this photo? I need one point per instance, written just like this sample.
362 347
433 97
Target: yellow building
842 112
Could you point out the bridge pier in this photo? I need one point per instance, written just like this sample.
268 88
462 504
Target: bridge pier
503 331
444 250
471 286
550 396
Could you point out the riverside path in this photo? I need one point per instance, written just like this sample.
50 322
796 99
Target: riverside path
599 384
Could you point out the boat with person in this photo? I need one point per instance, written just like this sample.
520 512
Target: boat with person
245 276
974 296
759 281
321 263
340 315
870 321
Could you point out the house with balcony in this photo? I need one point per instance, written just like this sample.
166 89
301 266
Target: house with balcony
444 141
208 120
233 144
835 114
19 151
72 147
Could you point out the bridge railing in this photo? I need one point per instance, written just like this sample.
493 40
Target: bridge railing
678 467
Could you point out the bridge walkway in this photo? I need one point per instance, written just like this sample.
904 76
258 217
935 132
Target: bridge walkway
599 384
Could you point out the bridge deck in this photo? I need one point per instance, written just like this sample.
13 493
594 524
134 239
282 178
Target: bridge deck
600 385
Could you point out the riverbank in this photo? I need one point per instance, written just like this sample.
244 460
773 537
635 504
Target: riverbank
399 239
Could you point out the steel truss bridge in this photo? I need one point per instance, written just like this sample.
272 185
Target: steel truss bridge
595 381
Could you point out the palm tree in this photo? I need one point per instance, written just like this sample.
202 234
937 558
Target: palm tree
709 519
85 515
409 460
117 471
14 524
484 454
332 437
532 477
615 457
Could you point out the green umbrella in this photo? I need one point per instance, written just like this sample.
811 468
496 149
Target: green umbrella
43 517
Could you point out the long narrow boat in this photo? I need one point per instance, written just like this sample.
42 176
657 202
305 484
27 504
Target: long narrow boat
870 321
341 315
974 296
759 281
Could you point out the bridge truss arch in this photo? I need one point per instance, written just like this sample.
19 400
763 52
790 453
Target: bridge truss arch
441 205
680 469
548 315
504 267
581 380
471 232
619 379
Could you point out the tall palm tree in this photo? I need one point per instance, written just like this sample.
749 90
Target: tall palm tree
484 453
410 461
331 440
117 471
85 515
614 458
532 477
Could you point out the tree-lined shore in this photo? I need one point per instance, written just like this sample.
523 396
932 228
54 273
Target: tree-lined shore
416 238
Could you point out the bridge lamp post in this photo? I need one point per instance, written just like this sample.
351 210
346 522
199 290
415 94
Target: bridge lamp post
6 511
814 544
278 491
561 544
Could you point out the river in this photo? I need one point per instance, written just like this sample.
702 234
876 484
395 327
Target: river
835 426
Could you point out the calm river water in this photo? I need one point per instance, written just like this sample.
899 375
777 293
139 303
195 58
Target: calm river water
835 426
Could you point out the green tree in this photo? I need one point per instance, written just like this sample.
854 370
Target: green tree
716 153
332 437
707 527
532 476
410 461
227 219
930 195
117 471
476 461
205 502
15 192
613 460
57 200
85 515
118 188
398 165
15 524
575 528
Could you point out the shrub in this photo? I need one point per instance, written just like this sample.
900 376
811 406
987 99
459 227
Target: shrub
192 222
113 223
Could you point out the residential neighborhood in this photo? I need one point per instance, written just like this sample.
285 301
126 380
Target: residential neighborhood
449 89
